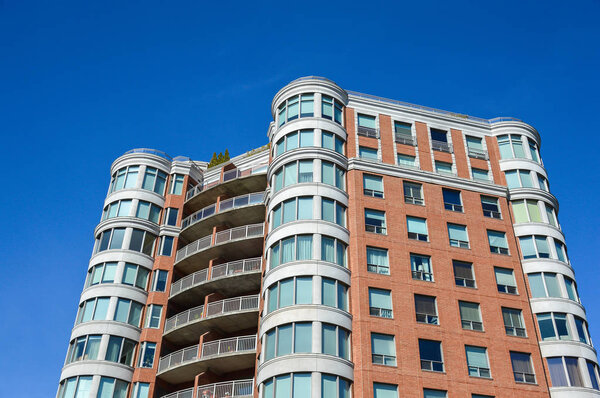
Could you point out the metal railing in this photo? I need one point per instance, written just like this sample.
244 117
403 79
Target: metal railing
405 139
227 346
246 231
179 357
368 132
381 312
184 317
218 271
228 389
227 176
210 349
477 153
187 393
441 146
215 308
228 204
429 109
151 151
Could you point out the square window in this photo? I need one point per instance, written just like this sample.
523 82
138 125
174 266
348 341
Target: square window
413 193
417 228
452 200
463 274
430 353
425 309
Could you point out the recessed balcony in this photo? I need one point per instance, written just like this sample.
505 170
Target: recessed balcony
230 279
220 356
229 316
245 241
232 183
248 207
226 389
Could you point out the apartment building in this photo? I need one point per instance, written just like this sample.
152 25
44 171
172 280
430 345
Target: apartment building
373 248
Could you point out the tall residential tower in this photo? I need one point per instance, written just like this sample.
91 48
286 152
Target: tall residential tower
373 248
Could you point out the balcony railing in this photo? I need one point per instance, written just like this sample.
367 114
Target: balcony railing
229 389
208 350
247 231
227 176
215 308
187 393
218 271
368 132
405 139
477 153
441 146
232 203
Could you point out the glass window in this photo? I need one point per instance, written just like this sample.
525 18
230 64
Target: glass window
135 275
366 121
166 246
147 351
421 267
413 193
291 249
477 361
533 150
513 322
76 387
470 316
84 348
333 250
375 221
497 241
431 355
128 311
334 294
581 327
439 135
101 273
148 211
171 216
429 393
417 228
380 303
571 288
452 200
290 291
560 251
377 260
154 180
112 388
490 207
307 105
505 280
373 185
159 280
153 314
463 274
381 390
176 184
557 372
368 153
553 326
401 128
443 167
480 174
457 235
142 241
522 368
383 349
593 372
307 138
120 350
406 160
551 215
290 171
124 178
426 310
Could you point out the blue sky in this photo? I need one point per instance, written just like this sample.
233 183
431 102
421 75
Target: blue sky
82 82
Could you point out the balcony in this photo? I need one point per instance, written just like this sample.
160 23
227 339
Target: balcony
220 356
245 241
229 316
227 389
368 132
230 279
405 139
232 183
477 153
441 146
228 212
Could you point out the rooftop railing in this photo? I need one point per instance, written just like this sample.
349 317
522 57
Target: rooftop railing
246 231
227 176
229 389
433 110
208 350
228 204
218 271
236 304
